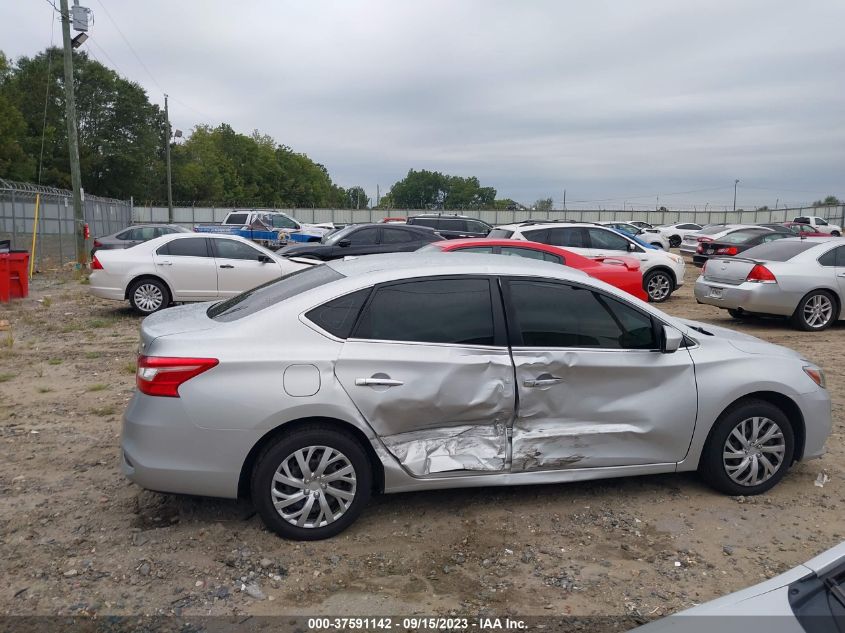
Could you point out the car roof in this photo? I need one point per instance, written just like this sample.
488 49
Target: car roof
403 265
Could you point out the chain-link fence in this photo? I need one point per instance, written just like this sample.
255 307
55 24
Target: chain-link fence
190 215
56 235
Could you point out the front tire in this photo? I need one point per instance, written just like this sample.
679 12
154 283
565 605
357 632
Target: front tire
148 295
835 233
658 285
815 312
675 241
312 483
749 450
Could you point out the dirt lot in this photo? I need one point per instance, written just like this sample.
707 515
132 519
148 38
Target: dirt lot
76 537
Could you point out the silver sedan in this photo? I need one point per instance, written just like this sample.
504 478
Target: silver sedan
801 278
404 372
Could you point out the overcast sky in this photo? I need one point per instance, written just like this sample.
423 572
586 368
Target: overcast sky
613 101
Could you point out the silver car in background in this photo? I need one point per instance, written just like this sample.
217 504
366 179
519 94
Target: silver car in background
800 278
710 233
809 598
419 371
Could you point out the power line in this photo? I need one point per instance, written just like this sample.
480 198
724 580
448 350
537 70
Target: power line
126 41
46 94
107 56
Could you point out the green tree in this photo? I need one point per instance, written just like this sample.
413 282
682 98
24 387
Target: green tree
830 200
356 198
14 161
543 204
425 189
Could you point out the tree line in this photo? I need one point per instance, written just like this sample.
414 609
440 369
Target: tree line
121 144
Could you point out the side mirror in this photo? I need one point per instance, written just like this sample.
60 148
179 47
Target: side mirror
671 340
632 247
344 243
265 259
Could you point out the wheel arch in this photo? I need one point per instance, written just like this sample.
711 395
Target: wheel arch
786 404
270 436
146 276
665 269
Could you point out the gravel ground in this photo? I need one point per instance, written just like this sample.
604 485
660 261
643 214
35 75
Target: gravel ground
77 538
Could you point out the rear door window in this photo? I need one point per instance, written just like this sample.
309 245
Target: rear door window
454 311
607 240
503 234
476 226
572 237
232 249
453 224
338 316
532 254
187 247
364 237
429 222
398 236
237 218
834 257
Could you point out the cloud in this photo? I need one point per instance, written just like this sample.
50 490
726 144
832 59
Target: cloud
605 99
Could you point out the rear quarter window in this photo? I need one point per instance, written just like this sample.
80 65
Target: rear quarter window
502 234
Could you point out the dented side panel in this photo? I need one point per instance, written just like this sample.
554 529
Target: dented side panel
609 408
446 408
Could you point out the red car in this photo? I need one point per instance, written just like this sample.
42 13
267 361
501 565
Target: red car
622 272
804 230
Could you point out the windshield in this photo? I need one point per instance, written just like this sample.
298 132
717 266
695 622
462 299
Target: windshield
272 292
336 236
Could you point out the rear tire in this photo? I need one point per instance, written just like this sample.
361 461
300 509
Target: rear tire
738 313
675 241
658 285
148 295
817 311
835 233
751 441
318 471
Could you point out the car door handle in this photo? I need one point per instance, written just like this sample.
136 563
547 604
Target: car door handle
378 382
226 266
840 274
164 263
543 381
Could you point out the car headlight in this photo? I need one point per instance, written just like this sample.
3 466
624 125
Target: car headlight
816 374
676 258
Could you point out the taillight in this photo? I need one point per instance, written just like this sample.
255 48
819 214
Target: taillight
700 249
161 376
95 264
704 266
97 243
703 239
727 250
761 275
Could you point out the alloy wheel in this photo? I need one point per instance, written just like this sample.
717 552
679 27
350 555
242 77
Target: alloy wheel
148 297
313 486
754 451
659 286
818 311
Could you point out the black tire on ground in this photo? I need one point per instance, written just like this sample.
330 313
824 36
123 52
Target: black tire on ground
658 285
675 241
805 316
835 233
274 455
738 313
712 465
148 295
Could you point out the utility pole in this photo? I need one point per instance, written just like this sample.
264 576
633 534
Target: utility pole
736 182
564 199
73 140
167 160
378 196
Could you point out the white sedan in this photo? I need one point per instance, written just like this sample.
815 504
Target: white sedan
185 267
675 233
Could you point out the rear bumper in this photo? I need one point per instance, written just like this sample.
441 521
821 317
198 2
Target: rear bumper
163 451
116 294
747 296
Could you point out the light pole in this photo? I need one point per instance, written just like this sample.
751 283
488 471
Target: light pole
736 182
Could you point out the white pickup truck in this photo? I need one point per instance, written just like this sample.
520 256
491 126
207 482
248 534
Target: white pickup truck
820 224
269 228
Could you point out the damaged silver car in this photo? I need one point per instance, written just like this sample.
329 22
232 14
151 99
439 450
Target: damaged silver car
392 373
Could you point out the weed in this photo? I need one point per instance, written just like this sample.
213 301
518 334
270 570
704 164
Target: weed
54 361
46 301
6 377
130 367
92 354
104 411
44 390
40 371
98 387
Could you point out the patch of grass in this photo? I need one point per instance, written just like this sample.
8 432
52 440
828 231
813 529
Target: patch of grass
98 323
70 327
40 371
8 340
46 301
85 281
104 411
100 386
43 389
54 361
92 354
130 367
6 377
